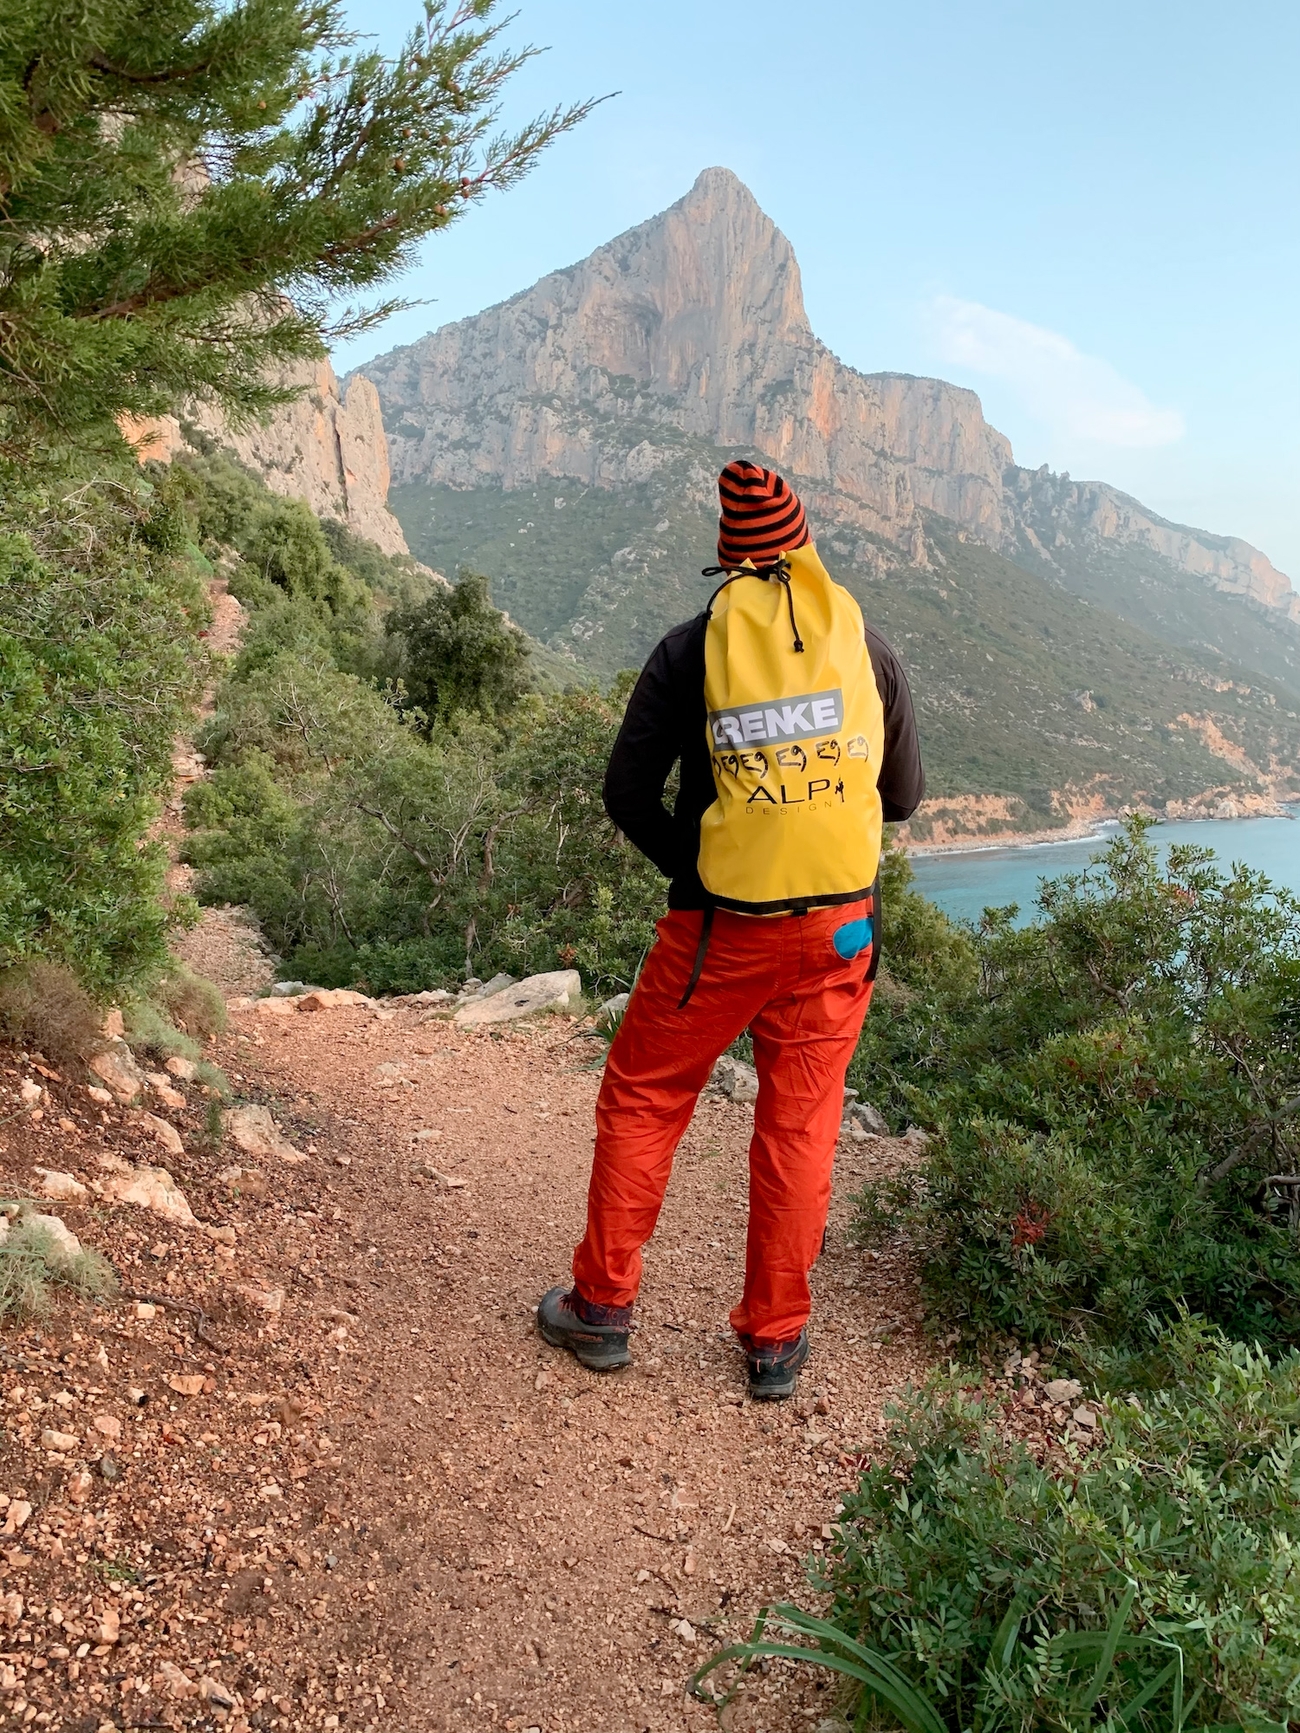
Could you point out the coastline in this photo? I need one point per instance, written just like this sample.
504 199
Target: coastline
1078 830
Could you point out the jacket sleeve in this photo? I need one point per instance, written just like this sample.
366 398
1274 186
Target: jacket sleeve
902 778
649 743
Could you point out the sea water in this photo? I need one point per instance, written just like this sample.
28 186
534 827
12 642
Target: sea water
966 883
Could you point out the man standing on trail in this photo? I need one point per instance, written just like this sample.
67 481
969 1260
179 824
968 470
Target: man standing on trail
794 730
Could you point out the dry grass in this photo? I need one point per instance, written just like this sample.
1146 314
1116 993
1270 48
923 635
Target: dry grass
179 1013
193 1003
32 1265
45 1007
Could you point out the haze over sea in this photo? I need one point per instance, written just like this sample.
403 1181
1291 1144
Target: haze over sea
965 884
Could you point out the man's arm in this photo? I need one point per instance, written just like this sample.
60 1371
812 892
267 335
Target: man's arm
902 779
663 704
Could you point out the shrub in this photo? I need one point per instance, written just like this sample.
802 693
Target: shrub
377 855
928 972
99 666
45 1007
192 1001
1112 1097
987 1582
149 1030
456 652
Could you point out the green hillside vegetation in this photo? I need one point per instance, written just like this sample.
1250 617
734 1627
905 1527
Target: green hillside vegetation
101 606
1111 1088
598 579
190 194
1113 1097
1143 1581
1022 688
1179 609
384 842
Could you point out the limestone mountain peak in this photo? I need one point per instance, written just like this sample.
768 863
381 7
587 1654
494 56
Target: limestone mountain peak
692 323
689 331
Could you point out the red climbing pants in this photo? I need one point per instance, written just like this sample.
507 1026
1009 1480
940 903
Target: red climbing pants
803 1001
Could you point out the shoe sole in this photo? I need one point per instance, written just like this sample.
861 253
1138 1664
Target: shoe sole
774 1392
591 1356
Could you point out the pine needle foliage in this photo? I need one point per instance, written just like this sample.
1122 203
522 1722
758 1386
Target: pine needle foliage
190 191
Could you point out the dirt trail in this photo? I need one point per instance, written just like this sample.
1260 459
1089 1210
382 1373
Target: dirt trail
535 1534
363 1494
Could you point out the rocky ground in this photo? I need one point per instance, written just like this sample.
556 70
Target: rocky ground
323 1474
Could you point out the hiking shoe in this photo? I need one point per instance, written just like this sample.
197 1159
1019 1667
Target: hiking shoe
595 1335
774 1368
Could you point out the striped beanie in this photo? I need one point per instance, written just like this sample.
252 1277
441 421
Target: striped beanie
762 517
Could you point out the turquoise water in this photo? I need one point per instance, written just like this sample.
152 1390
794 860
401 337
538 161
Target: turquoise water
965 884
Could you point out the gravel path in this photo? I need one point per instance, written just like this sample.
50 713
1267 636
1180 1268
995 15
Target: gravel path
549 1548
364 1495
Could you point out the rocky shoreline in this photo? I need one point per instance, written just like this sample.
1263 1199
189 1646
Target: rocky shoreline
1080 829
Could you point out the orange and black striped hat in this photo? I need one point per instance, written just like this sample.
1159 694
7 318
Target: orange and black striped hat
762 516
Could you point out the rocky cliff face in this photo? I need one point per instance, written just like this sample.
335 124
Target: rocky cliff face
327 448
1058 512
693 324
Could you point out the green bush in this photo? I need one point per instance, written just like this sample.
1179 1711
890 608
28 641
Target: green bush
928 971
988 1581
1112 1097
100 665
376 856
456 652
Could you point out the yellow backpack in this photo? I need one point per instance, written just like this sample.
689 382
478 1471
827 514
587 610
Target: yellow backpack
796 732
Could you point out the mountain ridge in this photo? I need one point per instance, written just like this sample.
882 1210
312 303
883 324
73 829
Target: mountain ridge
567 442
695 319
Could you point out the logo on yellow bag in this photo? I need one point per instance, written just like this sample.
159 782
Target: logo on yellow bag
803 718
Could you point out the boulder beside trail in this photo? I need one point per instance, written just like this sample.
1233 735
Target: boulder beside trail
560 990
484 989
733 1078
862 1120
164 1132
59 1186
252 1130
64 1246
151 1188
609 1013
117 1070
329 999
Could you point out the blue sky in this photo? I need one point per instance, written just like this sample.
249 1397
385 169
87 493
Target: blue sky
1086 213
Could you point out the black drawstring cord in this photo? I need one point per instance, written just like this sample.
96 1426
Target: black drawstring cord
779 573
794 624
706 927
